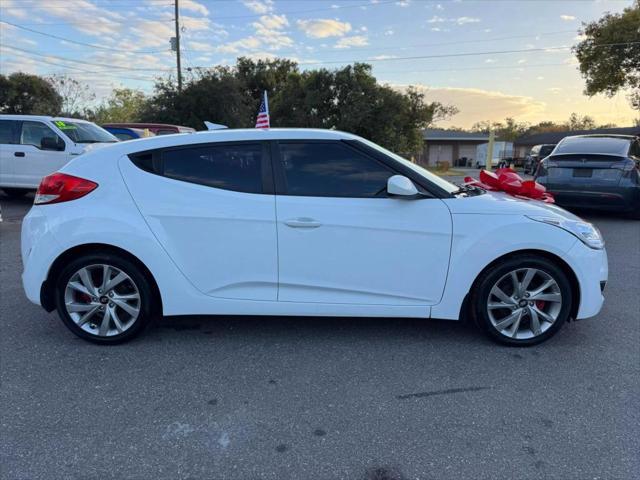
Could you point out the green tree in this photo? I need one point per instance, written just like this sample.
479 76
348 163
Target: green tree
506 131
76 95
124 105
577 122
348 99
26 94
610 68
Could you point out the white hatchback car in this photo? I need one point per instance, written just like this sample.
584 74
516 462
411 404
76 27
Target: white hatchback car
297 222
33 146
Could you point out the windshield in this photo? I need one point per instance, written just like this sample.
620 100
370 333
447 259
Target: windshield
447 186
546 150
84 132
607 145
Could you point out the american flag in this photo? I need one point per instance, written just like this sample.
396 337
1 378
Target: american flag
263 113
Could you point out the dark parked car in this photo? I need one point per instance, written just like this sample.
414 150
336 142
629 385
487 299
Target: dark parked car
537 153
128 133
156 128
594 171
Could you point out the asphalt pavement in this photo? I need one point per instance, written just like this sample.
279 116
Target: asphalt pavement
321 398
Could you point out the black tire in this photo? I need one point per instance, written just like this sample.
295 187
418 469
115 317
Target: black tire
147 302
489 277
15 192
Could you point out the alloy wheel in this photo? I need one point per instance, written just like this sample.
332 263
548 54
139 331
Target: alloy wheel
524 303
102 300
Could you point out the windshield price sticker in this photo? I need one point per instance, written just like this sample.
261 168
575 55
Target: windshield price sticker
64 126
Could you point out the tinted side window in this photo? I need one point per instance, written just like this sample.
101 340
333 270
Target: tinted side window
7 131
33 132
331 169
230 167
634 151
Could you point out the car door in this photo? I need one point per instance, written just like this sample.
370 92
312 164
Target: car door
212 208
8 149
40 152
341 239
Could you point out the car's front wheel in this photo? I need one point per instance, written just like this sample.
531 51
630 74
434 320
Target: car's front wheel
523 300
104 298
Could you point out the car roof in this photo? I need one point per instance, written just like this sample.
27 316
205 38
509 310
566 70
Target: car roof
40 117
227 135
601 135
617 145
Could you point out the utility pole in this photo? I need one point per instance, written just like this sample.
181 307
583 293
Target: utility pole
490 149
177 15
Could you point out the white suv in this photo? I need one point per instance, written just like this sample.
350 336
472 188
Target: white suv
297 222
34 146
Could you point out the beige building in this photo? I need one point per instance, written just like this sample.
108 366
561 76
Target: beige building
455 147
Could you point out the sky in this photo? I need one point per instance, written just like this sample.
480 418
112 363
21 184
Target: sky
490 59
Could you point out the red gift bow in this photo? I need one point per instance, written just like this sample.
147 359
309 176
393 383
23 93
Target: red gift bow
507 180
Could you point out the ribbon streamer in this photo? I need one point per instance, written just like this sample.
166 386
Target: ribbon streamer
508 181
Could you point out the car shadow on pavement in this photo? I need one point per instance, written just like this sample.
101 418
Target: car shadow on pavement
319 328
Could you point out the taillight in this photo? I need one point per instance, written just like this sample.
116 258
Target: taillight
60 187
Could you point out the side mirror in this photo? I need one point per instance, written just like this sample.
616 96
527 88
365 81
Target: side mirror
399 185
52 143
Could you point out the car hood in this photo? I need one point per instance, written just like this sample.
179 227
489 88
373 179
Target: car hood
499 203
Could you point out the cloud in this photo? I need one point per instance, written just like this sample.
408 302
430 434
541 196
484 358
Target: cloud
403 3
275 22
389 32
382 57
258 6
248 43
465 20
193 6
269 31
477 104
11 8
567 18
324 27
199 46
456 20
353 41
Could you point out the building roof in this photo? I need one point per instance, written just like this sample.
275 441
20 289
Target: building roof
438 134
555 137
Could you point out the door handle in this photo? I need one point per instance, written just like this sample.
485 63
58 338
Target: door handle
302 223
19 154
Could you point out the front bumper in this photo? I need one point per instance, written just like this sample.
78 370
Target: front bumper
592 269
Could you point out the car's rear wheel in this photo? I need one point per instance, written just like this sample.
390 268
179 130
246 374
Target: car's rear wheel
104 298
15 192
523 301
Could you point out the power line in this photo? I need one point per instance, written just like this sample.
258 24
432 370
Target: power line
464 54
101 73
84 62
99 47
497 67
292 13
420 45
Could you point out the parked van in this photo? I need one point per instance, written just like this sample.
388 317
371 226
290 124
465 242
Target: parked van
31 147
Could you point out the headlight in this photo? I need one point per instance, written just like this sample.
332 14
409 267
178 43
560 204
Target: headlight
586 232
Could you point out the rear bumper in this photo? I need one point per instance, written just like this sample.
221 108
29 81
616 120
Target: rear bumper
620 200
39 249
592 269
